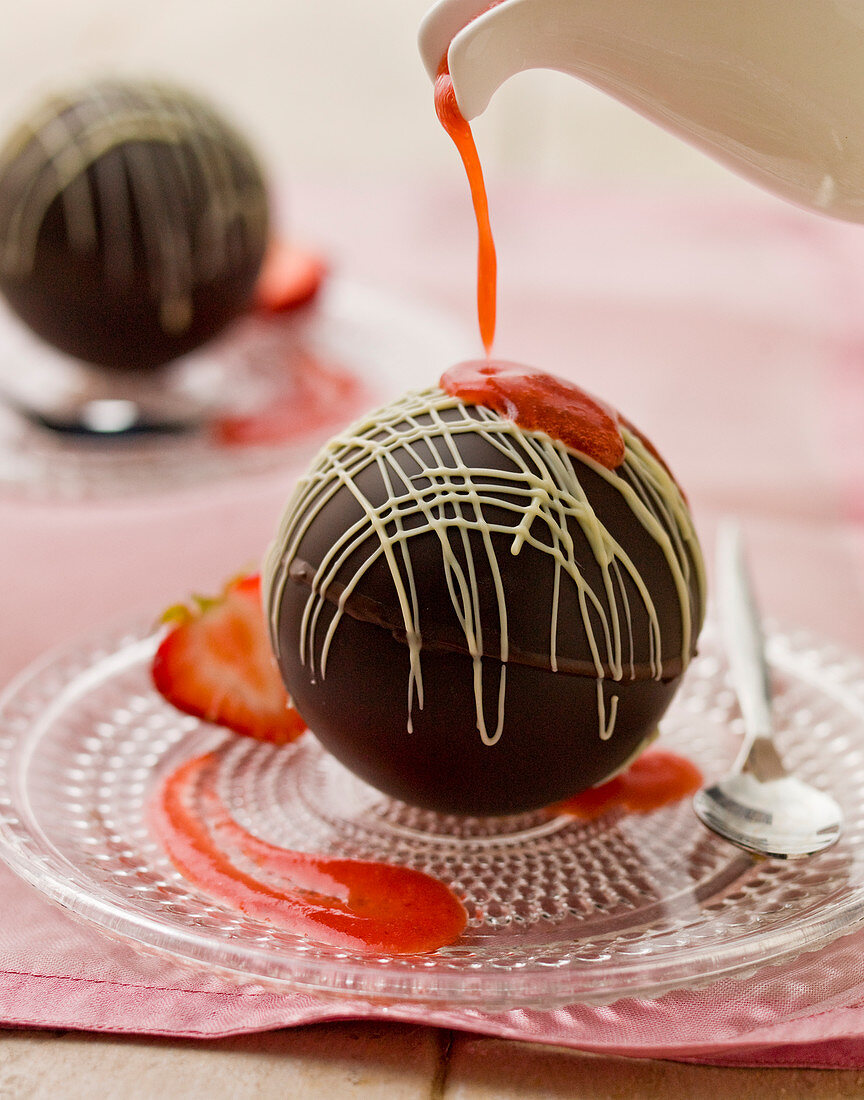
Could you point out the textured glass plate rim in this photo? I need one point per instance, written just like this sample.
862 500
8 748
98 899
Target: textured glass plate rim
389 342
371 980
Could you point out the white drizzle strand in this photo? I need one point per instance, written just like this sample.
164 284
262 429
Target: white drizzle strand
542 492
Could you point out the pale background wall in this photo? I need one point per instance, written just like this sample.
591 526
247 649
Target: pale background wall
325 85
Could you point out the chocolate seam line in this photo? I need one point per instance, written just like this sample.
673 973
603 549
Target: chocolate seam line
366 610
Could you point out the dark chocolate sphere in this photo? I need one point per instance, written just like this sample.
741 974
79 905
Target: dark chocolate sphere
476 619
133 222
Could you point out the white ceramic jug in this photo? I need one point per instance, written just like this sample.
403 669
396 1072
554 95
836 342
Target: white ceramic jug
773 89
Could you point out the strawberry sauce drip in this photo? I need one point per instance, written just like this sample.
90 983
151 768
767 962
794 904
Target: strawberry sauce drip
541 402
348 903
656 778
451 119
319 394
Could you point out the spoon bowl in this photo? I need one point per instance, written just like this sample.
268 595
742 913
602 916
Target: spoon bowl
759 806
781 818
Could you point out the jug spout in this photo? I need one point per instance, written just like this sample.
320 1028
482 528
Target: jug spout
773 89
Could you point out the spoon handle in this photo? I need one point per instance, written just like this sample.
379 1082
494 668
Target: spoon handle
745 643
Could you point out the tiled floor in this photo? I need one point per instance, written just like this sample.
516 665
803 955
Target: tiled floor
365 1061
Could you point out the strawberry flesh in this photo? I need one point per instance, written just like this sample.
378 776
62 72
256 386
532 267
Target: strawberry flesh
216 664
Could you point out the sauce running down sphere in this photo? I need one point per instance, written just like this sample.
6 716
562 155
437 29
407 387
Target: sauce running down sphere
459 131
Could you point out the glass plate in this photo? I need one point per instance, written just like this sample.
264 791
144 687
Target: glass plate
565 911
372 344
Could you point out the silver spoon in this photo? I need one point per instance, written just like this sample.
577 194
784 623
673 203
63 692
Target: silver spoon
759 806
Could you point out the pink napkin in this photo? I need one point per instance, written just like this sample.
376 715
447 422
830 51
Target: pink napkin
732 332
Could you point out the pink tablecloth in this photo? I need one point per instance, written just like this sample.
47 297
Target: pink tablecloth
732 333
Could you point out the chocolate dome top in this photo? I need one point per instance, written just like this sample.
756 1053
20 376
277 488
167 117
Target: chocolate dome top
452 528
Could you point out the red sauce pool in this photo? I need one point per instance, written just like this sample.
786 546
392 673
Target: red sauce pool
655 779
357 904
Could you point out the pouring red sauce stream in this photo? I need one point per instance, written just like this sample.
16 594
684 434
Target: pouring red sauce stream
451 119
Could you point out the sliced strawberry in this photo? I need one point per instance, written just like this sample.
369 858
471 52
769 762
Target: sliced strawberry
289 277
216 663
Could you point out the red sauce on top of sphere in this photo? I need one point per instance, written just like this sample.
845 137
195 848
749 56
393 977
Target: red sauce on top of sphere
541 402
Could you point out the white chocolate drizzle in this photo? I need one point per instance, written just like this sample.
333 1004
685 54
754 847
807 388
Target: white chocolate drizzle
543 494
185 244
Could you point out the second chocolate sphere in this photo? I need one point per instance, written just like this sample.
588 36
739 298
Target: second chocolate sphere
133 222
